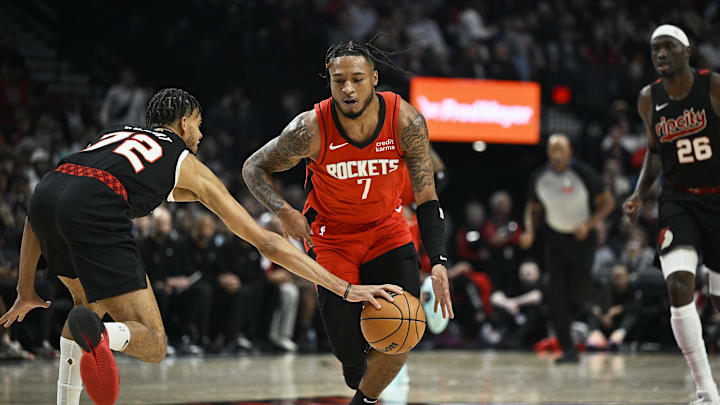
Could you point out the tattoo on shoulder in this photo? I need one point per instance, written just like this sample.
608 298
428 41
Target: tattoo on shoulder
280 154
416 148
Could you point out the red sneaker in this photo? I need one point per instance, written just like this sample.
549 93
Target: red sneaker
97 365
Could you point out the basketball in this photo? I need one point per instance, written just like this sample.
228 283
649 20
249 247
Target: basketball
396 327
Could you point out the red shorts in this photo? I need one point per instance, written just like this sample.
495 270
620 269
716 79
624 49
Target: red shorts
342 248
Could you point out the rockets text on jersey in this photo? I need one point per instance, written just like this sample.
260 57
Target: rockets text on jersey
362 168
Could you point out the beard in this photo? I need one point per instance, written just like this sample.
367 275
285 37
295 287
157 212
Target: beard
354 115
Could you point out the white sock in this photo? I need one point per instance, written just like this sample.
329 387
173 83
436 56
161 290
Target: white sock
69 380
119 335
686 327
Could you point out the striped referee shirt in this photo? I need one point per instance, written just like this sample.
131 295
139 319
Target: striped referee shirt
566 197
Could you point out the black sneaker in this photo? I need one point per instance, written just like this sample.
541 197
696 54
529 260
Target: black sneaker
569 357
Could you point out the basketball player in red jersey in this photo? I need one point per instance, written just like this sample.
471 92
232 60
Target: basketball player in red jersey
682 113
357 144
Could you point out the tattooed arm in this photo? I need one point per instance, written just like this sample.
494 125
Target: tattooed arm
300 139
415 145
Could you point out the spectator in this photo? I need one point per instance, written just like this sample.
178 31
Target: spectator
205 264
167 268
125 102
469 243
282 326
241 286
471 291
502 234
614 313
637 255
518 310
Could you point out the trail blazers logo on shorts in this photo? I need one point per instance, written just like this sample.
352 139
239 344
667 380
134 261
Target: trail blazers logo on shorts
665 238
690 122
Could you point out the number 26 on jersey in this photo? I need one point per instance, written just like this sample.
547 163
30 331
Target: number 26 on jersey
697 149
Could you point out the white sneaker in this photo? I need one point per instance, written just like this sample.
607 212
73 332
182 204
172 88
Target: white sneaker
286 344
705 398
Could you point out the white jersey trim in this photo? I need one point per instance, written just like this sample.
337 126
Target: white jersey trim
182 157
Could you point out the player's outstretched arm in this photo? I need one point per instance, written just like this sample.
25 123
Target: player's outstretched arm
652 165
415 144
198 183
27 299
300 139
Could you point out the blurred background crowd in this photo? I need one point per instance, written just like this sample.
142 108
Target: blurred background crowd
66 71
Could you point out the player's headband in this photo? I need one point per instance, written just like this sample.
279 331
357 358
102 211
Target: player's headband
671 31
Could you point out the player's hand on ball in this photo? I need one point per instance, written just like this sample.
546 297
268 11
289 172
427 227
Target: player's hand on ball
441 288
360 293
294 224
24 303
632 206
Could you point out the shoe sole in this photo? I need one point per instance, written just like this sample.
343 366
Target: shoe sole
85 327
97 366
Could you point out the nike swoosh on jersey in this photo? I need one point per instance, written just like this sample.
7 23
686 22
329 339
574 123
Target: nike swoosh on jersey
660 107
333 147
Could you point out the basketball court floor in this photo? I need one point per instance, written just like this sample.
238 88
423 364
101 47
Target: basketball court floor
435 377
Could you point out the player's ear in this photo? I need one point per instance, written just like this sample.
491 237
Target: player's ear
375 78
183 125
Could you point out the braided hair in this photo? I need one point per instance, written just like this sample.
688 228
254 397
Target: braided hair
169 105
367 50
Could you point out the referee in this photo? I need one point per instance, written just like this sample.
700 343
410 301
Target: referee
567 191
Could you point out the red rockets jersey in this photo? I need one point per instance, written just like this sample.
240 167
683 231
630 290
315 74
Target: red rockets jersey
353 182
408 195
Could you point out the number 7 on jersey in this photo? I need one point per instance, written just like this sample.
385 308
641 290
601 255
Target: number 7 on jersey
367 187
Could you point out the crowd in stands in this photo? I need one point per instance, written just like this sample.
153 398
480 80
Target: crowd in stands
253 68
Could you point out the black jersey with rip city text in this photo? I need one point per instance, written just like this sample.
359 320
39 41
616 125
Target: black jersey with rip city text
146 162
689 134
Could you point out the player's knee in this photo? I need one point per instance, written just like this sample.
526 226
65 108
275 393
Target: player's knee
160 351
681 290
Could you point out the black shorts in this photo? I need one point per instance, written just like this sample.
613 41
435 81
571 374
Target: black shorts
690 220
84 229
342 319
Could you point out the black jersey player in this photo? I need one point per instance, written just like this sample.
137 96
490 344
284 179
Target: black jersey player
681 111
80 219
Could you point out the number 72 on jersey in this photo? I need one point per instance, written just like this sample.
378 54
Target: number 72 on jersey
134 144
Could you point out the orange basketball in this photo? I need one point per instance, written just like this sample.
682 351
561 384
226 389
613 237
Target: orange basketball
396 327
